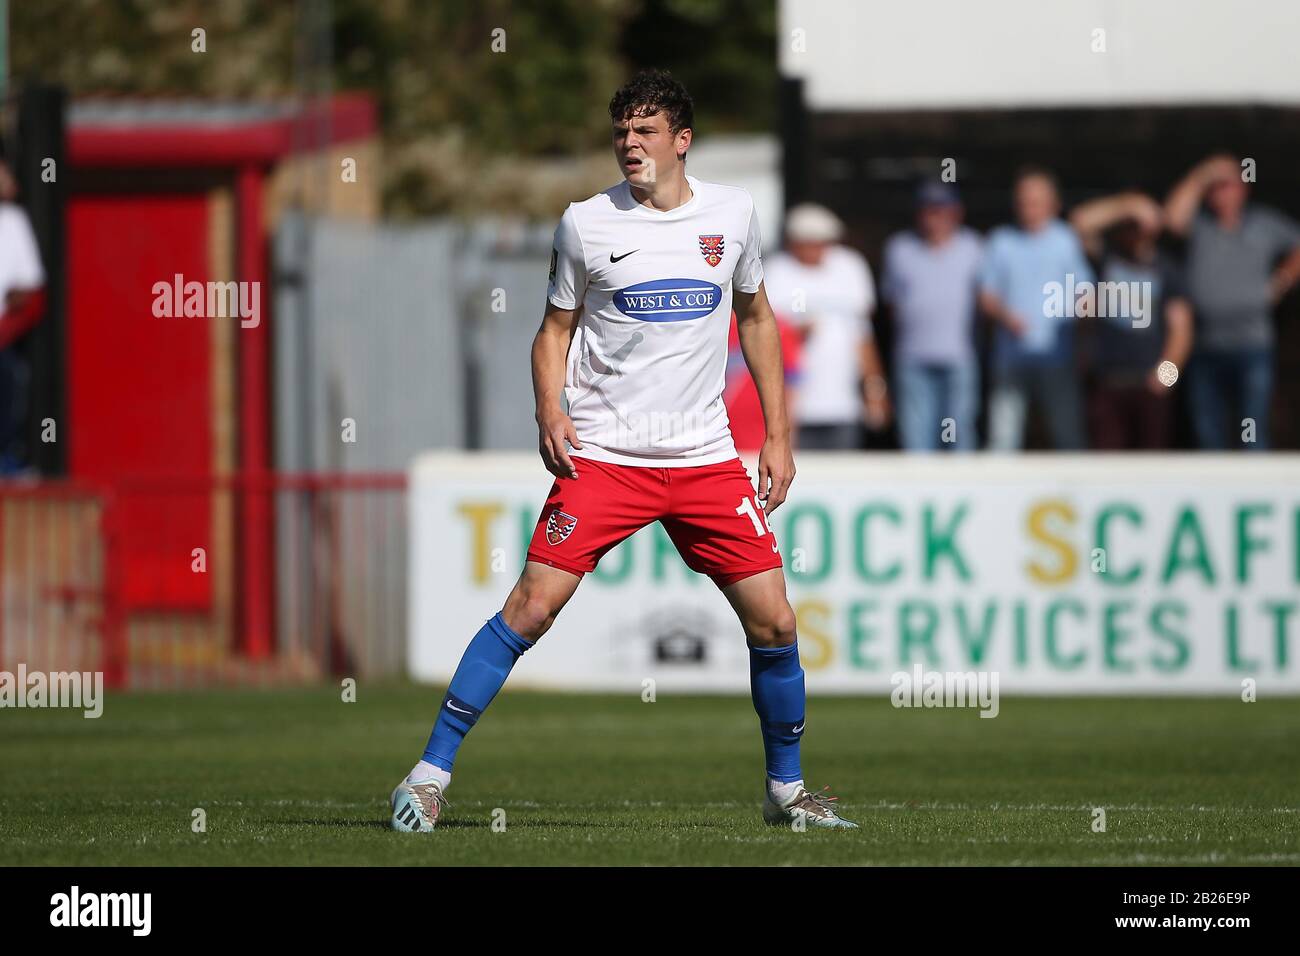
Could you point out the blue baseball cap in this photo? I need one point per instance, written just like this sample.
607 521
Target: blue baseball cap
933 193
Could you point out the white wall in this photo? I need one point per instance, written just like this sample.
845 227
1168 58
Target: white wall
910 54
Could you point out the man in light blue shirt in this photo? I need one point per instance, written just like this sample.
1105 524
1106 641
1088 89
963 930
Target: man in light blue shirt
1030 281
930 281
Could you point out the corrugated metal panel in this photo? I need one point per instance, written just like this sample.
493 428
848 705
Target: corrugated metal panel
366 328
504 298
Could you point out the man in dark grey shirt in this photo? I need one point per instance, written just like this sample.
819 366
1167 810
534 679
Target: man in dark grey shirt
1241 259
1135 350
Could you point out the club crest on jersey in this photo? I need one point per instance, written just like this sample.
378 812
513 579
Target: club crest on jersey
712 248
559 526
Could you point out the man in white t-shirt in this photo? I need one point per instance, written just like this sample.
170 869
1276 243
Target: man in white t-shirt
643 280
826 290
22 303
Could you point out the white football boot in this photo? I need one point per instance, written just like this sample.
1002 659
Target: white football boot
416 806
815 809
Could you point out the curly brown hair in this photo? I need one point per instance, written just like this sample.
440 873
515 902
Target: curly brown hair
650 92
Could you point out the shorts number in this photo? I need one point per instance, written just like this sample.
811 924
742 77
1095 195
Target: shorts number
749 506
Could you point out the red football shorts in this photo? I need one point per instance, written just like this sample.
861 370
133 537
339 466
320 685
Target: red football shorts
710 512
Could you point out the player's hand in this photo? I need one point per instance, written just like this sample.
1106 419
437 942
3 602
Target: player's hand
775 473
553 430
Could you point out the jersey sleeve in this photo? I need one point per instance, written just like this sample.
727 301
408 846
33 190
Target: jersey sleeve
749 267
568 277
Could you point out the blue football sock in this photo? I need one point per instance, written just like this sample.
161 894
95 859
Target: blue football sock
776 684
482 671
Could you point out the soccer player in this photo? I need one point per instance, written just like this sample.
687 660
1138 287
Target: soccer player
643 280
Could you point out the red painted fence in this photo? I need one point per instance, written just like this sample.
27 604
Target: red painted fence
338 589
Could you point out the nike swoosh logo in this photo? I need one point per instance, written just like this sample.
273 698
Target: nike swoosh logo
457 709
797 729
614 258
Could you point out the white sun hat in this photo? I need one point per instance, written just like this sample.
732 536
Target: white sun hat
809 222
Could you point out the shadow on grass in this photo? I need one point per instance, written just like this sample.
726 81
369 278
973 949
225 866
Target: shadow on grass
336 824
340 823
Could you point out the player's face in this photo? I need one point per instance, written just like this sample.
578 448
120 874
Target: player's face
645 147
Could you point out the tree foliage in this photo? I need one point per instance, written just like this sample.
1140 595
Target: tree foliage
466 125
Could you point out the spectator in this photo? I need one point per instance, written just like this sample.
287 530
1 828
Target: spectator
825 289
1234 278
1143 321
22 302
929 278
1033 345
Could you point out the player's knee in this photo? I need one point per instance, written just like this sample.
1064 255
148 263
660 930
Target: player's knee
529 612
783 627
775 629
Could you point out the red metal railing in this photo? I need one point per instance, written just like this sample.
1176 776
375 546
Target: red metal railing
86 584
57 608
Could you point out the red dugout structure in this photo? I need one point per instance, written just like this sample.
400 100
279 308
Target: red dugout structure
168 427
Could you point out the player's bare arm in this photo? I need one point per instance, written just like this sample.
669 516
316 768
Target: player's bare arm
554 428
760 341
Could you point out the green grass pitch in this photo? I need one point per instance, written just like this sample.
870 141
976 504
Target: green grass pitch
298 776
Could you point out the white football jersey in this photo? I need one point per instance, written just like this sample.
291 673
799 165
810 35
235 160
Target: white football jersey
648 361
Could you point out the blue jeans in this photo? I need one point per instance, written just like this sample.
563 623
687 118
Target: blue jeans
1239 384
1052 389
937 405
